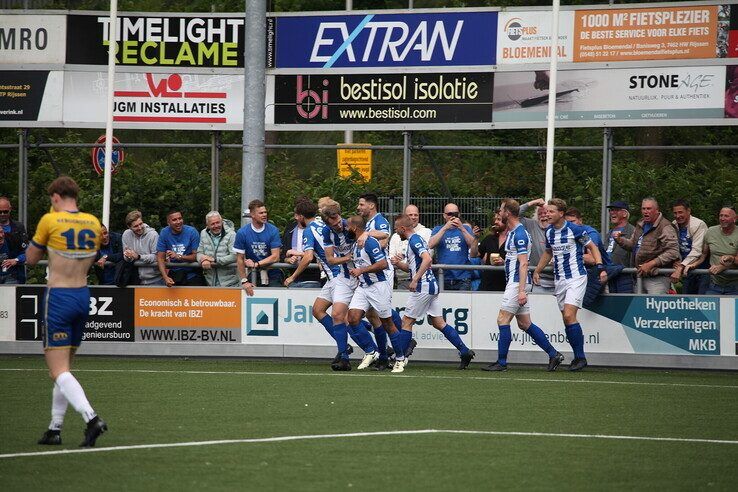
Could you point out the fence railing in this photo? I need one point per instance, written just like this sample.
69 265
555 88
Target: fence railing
438 268
477 210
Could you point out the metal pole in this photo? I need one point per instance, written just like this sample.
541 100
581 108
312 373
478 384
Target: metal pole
215 170
552 100
254 157
348 135
406 161
108 171
23 176
606 178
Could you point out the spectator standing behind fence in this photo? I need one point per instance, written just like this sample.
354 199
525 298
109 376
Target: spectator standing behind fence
619 213
178 243
398 246
454 244
691 235
721 249
492 251
215 253
16 239
537 229
8 252
257 246
110 253
293 246
654 245
139 244
595 286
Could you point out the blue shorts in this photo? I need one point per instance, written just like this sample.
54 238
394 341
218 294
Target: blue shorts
65 316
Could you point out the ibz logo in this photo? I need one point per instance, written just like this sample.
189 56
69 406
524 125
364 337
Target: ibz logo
310 102
262 316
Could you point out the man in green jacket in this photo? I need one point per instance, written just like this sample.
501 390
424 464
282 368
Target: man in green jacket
215 253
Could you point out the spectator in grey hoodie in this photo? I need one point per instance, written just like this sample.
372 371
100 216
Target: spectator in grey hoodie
139 244
536 228
215 253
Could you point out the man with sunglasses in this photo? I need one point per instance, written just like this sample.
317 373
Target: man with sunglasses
16 240
454 243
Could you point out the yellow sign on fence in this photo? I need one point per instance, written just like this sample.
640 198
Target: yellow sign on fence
358 159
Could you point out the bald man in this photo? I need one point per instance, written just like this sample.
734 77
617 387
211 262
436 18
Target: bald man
398 246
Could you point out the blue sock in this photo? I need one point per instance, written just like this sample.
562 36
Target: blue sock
341 334
381 336
453 336
327 323
540 338
368 326
396 319
503 344
576 339
396 340
363 338
405 336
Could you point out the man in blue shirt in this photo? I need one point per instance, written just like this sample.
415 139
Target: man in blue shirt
178 243
257 246
454 244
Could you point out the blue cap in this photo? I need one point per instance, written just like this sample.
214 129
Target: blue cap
619 204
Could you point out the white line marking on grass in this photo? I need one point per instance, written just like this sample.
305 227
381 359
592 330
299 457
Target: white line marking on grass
404 376
365 434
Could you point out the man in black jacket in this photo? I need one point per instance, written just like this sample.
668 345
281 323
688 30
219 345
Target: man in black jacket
16 240
111 252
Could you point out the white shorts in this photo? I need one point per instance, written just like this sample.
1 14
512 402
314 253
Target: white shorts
571 291
378 295
339 290
419 304
510 299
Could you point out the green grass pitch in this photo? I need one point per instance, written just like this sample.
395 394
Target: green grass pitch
164 401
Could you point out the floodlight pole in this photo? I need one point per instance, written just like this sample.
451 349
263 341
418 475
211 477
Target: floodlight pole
552 100
254 102
107 171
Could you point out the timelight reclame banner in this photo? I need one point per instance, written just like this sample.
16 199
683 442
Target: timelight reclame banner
157 40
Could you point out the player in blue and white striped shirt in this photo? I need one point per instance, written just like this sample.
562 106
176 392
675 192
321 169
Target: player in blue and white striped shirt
565 243
315 246
378 228
515 298
424 298
371 268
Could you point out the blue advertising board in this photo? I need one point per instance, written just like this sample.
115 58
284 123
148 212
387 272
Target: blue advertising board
383 40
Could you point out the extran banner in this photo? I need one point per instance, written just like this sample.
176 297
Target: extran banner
383 40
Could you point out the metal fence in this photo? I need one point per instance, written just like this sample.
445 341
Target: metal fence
477 210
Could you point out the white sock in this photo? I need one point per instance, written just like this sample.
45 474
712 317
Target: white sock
73 392
59 406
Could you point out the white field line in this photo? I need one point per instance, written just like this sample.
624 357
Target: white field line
404 376
364 434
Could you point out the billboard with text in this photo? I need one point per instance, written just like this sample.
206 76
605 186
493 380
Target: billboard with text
617 96
408 39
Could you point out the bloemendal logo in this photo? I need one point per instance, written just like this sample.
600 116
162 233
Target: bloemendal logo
262 316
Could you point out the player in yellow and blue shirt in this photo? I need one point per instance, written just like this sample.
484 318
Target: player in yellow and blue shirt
71 240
